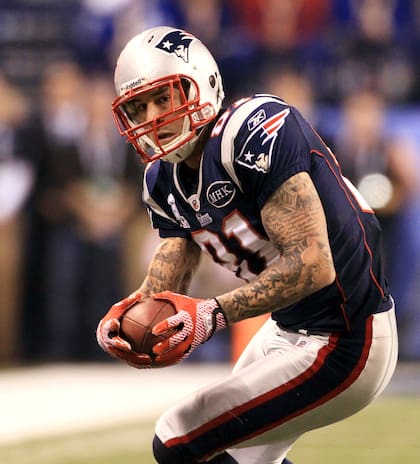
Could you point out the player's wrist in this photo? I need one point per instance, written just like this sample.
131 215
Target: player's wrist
221 319
213 316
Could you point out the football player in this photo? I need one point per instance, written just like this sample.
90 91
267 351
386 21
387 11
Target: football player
255 187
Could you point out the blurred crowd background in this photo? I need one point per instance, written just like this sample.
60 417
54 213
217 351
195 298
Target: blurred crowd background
74 237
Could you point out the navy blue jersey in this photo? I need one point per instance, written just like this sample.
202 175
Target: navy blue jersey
255 146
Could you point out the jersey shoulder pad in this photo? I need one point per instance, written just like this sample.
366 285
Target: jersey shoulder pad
250 124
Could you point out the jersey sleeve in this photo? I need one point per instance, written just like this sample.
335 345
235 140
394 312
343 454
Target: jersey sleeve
161 217
268 146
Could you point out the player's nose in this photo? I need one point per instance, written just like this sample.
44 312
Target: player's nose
153 111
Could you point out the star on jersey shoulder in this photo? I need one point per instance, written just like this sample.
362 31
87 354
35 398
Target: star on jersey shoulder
248 156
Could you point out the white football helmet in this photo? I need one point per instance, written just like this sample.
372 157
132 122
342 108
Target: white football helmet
165 59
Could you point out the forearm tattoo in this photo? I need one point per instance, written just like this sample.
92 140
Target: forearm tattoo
294 221
172 266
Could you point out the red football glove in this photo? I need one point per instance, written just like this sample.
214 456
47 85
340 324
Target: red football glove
111 342
195 322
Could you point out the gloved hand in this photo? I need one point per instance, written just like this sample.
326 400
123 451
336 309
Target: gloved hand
195 322
108 330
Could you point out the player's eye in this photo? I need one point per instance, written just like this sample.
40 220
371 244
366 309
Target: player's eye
164 99
135 108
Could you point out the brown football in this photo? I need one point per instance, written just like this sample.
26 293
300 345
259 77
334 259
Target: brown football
137 324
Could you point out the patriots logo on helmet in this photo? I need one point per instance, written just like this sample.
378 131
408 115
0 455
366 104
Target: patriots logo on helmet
177 42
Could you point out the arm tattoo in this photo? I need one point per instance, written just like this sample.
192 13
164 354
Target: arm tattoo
172 266
294 221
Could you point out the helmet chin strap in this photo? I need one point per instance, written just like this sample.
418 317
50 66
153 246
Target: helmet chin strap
182 153
193 146
175 155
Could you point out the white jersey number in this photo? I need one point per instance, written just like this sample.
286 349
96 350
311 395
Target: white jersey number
251 243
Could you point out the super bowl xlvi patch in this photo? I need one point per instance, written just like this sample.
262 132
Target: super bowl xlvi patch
257 150
177 42
220 193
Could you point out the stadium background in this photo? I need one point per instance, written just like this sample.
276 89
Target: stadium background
316 54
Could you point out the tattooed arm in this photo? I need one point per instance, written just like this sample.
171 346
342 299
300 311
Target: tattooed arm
294 221
172 266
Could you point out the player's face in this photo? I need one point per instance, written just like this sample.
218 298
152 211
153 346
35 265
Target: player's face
158 105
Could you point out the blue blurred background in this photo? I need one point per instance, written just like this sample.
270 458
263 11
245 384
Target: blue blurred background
74 237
